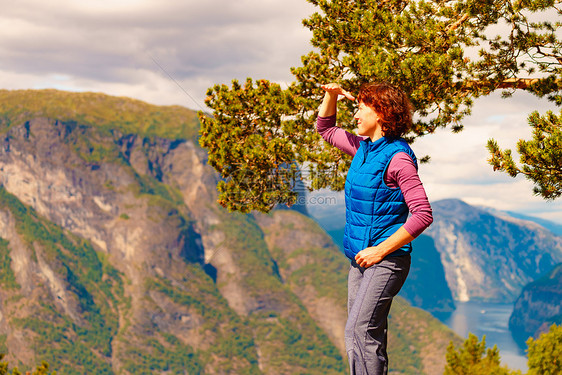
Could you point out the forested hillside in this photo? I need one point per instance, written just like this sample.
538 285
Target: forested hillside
538 307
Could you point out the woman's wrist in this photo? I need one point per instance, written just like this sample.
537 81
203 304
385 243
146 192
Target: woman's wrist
329 104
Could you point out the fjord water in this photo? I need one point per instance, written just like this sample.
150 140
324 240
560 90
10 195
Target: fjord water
490 319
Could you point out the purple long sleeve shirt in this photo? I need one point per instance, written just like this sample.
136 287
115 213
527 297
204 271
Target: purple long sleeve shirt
401 173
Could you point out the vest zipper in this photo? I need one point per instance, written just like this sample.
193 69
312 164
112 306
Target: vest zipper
364 154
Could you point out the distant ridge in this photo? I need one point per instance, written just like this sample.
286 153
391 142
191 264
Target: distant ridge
555 228
550 225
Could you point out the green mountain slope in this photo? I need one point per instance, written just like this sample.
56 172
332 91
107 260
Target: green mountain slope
104 112
116 258
538 307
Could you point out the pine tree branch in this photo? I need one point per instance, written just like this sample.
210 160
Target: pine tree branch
545 54
510 83
458 22
517 83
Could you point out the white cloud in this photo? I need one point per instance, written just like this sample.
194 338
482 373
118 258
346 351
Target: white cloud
98 45
459 167
118 47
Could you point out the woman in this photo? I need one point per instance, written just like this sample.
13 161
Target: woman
382 187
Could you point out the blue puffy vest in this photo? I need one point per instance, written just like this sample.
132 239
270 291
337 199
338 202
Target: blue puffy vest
373 210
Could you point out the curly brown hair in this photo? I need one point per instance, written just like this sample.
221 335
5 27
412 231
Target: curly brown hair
391 104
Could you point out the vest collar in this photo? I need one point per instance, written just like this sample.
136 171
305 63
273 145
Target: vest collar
369 145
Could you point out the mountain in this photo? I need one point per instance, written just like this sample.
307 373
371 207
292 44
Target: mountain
551 226
116 258
426 285
538 307
488 257
525 220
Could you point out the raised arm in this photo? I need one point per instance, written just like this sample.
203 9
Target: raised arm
326 122
329 104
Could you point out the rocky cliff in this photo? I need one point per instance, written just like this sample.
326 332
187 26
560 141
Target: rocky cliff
490 257
538 307
117 260
426 286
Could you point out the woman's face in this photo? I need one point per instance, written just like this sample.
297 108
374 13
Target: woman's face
367 121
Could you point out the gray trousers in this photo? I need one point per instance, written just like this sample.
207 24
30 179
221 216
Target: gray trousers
370 293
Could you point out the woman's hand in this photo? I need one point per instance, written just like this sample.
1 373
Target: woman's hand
329 104
374 254
334 88
369 256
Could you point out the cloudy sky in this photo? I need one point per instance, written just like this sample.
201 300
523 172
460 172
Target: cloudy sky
171 51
